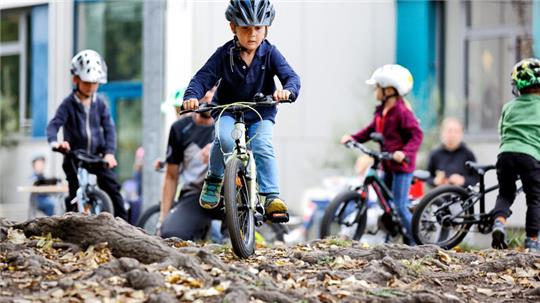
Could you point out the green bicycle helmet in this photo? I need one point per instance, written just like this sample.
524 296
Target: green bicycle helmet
526 73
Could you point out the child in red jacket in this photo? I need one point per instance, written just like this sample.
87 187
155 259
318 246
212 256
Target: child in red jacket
401 132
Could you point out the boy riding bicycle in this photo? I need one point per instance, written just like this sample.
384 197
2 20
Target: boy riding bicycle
519 156
401 132
246 66
87 124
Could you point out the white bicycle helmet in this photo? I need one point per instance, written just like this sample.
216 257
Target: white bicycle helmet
89 66
392 75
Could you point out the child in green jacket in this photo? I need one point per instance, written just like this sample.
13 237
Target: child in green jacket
519 154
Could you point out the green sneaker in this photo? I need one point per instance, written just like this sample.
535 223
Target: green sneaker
211 192
276 210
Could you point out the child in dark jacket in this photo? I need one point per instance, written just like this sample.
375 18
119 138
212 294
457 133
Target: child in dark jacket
519 154
87 124
401 132
246 66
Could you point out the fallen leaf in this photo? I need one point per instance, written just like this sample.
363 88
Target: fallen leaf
16 236
444 257
484 291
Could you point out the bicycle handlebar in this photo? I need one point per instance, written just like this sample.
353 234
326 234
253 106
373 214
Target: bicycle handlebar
372 153
82 156
258 100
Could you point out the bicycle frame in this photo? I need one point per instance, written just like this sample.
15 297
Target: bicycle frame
245 156
86 181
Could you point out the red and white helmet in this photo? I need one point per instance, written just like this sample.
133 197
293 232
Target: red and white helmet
89 66
392 75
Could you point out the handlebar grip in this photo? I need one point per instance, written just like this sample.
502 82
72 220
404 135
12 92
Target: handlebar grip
407 160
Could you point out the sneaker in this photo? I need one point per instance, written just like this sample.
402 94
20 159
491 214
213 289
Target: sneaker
498 236
211 192
276 210
532 245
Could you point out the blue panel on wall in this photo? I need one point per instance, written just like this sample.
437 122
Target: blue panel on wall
536 27
39 72
415 49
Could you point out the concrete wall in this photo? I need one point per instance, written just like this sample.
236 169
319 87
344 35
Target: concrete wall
334 47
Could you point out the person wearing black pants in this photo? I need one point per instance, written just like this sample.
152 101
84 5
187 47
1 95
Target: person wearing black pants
106 180
510 167
86 122
519 154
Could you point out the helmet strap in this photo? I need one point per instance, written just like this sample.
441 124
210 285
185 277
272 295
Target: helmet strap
385 97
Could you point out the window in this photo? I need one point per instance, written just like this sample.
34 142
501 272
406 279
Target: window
100 23
498 34
114 29
15 110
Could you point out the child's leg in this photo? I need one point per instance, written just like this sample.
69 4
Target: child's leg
265 159
530 178
73 183
187 220
400 188
222 141
507 176
106 180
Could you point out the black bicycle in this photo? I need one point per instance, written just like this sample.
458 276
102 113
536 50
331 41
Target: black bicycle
346 215
445 215
90 199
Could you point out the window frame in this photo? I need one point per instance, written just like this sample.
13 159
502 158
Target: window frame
471 34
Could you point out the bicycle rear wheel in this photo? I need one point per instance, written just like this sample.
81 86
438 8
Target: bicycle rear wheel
99 202
239 216
432 223
149 219
342 217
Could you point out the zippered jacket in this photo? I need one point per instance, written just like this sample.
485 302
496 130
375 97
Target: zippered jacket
94 133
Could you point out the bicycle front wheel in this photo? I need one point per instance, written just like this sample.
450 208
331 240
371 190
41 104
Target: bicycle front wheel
99 202
344 217
238 214
442 218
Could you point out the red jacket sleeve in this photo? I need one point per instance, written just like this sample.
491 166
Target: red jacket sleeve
363 135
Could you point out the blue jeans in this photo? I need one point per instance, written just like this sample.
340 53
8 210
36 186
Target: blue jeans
46 204
261 145
400 188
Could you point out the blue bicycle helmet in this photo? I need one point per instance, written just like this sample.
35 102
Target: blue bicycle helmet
250 12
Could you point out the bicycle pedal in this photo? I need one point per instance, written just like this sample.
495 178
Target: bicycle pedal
278 217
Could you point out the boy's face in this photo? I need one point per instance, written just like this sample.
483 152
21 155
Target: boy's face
87 88
39 166
250 37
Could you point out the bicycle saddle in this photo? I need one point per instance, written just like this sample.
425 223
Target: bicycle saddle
479 168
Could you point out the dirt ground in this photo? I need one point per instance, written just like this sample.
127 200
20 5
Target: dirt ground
51 267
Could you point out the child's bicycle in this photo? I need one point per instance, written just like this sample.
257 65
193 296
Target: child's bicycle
90 199
243 205
346 215
445 214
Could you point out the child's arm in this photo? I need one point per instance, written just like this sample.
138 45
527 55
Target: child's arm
363 135
206 78
56 122
410 124
286 75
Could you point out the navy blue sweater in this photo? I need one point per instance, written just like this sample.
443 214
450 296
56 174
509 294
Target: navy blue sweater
240 82
71 116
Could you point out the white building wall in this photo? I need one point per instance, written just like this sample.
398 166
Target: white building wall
334 47
15 165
